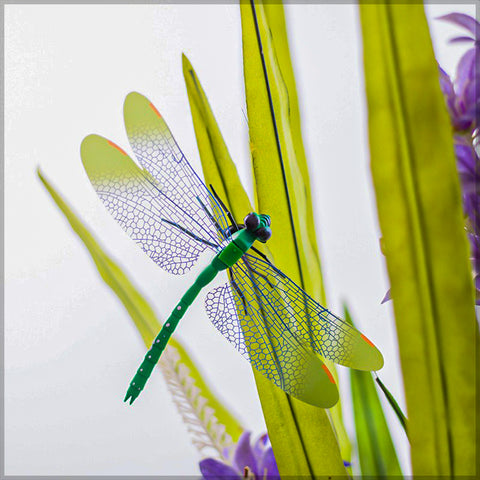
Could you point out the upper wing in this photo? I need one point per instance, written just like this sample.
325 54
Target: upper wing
328 335
140 206
158 152
246 320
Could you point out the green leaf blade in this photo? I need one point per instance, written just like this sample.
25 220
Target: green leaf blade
376 451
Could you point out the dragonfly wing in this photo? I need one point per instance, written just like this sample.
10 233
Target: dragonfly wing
281 356
328 335
134 199
158 152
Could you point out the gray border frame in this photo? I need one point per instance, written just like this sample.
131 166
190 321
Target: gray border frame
2 205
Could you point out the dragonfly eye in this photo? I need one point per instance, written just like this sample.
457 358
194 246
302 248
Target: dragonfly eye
252 222
264 234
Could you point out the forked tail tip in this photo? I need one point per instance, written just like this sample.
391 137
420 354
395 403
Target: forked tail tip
130 396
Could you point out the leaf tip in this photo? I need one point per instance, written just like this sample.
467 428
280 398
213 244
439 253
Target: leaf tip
39 172
186 63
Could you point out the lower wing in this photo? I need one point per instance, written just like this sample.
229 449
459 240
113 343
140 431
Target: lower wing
245 319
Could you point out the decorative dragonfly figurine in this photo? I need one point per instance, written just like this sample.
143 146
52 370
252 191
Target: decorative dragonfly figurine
174 217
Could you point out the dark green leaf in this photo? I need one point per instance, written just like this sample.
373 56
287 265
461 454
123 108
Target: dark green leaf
376 451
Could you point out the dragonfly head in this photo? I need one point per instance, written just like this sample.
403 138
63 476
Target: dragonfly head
259 225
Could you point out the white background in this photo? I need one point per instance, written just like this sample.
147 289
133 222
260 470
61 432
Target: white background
70 348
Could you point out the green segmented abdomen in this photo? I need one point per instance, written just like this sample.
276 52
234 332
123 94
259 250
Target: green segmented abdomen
153 355
160 342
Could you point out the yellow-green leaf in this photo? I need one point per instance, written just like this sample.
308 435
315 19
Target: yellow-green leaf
420 213
302 436
275 15
138 308
218 167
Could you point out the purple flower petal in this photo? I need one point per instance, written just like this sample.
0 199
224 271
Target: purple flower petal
461 40
447 88
471 205
268 465
215 470
461 122
466 70
387 297
464 21
462 97
466 156
244 456
475 242
259 445
226 452
468 166
471 95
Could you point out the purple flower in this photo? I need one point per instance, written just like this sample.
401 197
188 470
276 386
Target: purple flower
468 165
465 21
463 102
254 462
462 95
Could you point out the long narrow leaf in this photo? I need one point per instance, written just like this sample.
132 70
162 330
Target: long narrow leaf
218 167
275 15
376 451
276 20
393 403
420 213
176 357
301 435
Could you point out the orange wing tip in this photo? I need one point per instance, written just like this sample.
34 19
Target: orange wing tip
330 376
157 113
367 340
114 145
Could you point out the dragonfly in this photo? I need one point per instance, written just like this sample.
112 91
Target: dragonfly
166 208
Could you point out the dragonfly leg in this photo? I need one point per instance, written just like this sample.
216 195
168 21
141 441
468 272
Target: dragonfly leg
189 233
237 289
212 219
229 214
